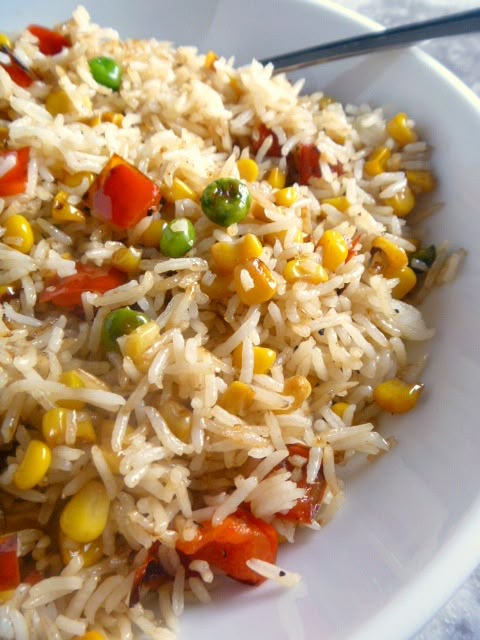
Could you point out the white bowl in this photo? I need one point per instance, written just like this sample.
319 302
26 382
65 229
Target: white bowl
408 533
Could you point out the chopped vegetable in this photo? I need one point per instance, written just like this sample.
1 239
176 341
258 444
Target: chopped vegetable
13 181
304 269
72 380
54 426
248 169
263 359
119 323
63 211
237 399
178 191
58 102
34 465
303 164
402 202
127 259
334 249
339 408
406 281
397 396
421 181
18 233
286 197
227 255
49 42
423 256
153 233
121 194
67 292
226 201
276 178
106 72
84 517
178 419
90 552
377 161
299 388
275 150
254 282
400 129
9 569
5 42
18 73
227 547
178 237
150 574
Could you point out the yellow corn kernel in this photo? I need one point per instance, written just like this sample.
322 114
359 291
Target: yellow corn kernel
178 419
91 635
73 380
397 396
299 388
258 212
138 342
396 256
18 233
90 552
8 290
340 203
63 211
127 259
219 289
276 178
93 122
339 408
335 249
271 238
325 101
227 255
178 191
400 130
5 596
153 233
305 270
377 161
85 516
54 427
248 169
112 458
5 41
402 202
406 281
210 59
263 359
237 399
58 102
254 282
114 118
286 197
4 133
74 180
34 465
421 181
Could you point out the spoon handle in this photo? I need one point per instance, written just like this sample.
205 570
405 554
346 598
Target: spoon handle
450 25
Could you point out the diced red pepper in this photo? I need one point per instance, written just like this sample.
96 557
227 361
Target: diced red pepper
49 42
121 194
34 577
150 574
275 150
18 74
306 509
9 569
14 182
352 251
303 163
237 539
67 292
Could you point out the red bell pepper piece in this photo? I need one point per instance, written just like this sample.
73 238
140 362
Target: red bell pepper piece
306 509
237 539
275 150
9 569
67 292
14 181
150 574
18 74
121 194
49 42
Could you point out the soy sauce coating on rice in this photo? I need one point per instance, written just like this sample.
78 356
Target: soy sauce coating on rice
180 384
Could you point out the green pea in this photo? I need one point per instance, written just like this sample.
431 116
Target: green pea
120 323
226 201
178 237
106 72
425 255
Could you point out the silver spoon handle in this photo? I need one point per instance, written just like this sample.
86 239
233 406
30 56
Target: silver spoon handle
451 25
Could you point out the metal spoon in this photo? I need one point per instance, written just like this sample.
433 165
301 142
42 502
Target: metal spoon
451 25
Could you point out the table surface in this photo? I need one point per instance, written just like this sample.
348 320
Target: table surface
459 619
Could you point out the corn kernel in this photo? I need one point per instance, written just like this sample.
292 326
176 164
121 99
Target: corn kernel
325 101
90 552
54 427
377 161
34 465
237 399
406 281
276 178
421 181
210 59
286 197
5 596
138 342
74 180
127 259
254 282
340 203
300 389
153 233
72 380
178 419
339 408
8 290
63 211
271 238
335 249
263 359
93 122
400 130
304 270
397 396
114 118
178 191
112 458
58 102
227 255
5 41
258 212
84 517
4 133
396 256
91 635
402 202
18 233
219 289
248 169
